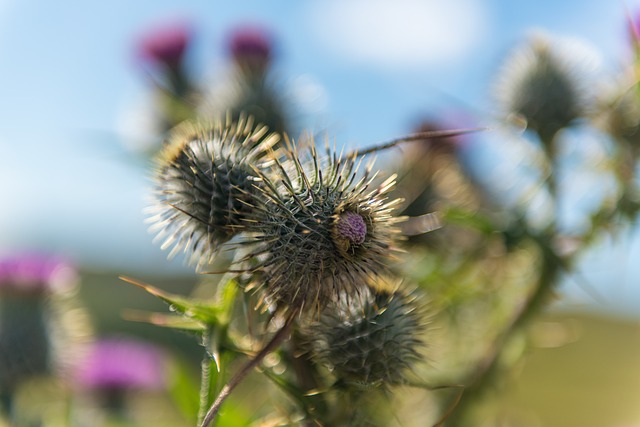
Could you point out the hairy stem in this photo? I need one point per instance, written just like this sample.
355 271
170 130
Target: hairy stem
205 381
277 339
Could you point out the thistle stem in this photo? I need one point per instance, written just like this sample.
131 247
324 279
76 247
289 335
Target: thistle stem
205 380
420 136
489 368
277 339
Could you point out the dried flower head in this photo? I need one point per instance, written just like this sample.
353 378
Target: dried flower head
322 228
544 84
369 340
204 184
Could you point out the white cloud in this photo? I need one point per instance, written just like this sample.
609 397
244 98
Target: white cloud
400 33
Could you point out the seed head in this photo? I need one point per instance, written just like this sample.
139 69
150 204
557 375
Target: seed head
204 184
369 340
322 229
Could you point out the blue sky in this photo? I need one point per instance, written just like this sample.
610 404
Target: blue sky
68 78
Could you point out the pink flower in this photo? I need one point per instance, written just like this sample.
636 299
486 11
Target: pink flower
166 44
251 45
120 364
35 273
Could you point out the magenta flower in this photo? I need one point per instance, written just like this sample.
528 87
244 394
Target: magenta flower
251 46
121 364
35 273
165 45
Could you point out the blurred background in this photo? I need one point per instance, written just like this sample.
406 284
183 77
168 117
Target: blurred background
79 119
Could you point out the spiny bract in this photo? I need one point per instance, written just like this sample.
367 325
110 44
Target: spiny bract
322 228
370 340
204 184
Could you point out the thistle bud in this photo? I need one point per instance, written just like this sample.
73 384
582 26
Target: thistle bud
543 83
370 340
204 185
323 227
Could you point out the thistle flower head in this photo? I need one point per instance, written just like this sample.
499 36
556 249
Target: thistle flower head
369 340
26 315
165 45
121 363
204 181
251 48
544 83
322 228
35 273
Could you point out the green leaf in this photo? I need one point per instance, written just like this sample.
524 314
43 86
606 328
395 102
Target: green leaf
172 321
195 309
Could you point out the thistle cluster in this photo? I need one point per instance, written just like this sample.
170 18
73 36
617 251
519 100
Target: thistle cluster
311 227
315 235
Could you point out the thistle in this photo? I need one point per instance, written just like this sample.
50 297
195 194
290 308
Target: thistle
204 185
544 85
26 340
113 366
320 229
250 88
372 340
164 49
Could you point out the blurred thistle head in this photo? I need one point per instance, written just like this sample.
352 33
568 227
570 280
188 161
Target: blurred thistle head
544 82
36 274
113 366
368 340
251 48
26 282
204 184
165 45
121 363
323 228
250 88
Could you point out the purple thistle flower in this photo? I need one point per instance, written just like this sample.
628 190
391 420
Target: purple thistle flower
35 273
351 226
251 47
121 364
165 45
